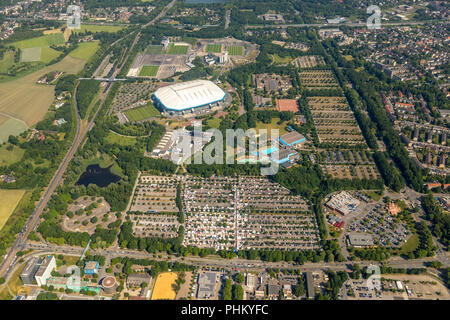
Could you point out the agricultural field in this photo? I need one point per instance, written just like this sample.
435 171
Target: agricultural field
8 157
318 79
7 61
141 113
47 40
235 50
154 49
85 50
115 138
215 48
10 200
25 103
177 49
149 71
163 286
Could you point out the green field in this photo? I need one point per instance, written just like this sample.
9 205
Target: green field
113 137
85 50
151 49
214 122
48 54
8 157
10 199
235 50
410 245
273 125
280 60
215 48
47 40
7 61
11 127
97 28
174 49
149 71
141 113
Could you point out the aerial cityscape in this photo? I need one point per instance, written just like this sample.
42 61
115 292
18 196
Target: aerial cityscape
208 150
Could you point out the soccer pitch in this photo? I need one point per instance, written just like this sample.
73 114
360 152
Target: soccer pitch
149 71
173 49
142 113
235 50
216 48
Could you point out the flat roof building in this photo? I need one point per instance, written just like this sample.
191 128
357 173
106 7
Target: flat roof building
343 203
45 270
309 285
206 285
292 138
27 274
91 267
360 240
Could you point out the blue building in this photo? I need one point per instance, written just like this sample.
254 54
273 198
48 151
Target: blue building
91 267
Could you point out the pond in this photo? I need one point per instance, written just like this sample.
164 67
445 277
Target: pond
102 177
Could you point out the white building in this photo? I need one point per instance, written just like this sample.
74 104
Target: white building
45 270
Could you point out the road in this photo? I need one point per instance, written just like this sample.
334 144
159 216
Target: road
348 24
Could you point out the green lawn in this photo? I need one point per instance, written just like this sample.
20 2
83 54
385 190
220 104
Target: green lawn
280 60
7 61
114 138
154 49
149 71
216 48
214 122
273 125
410 245
8 157
85 50
47 40
11 127
142 113
97 28
235 50
174 49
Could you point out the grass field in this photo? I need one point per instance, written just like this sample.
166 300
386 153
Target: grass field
410 245
10 199
174 49
214 123
97 28
273 125
8 157
149 71
152 49
142 113
85 50
216 48
235 50
163 286
280 60
7 61
47 40
11 127
113 137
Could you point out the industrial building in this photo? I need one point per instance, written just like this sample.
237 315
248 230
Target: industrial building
206 285
292 138
187 97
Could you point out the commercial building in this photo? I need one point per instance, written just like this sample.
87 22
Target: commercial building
27 274
109 284
284 155
309 285
182 98
46 267
206 285
292 138
343 203
91 267
360 240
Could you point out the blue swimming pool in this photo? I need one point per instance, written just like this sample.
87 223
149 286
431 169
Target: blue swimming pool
269 150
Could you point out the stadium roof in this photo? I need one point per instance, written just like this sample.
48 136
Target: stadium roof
188 95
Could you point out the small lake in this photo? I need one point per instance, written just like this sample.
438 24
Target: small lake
94 174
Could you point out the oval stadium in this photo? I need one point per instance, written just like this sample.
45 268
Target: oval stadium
190 97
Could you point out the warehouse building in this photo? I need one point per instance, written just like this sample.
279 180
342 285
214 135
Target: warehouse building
191 97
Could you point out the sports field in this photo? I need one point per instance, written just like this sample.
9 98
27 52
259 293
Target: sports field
141 113
85 50
10 199
177 49
154 49
163 286
216 48
113 137
235 50
149 71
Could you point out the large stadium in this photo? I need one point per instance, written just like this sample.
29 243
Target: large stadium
191 97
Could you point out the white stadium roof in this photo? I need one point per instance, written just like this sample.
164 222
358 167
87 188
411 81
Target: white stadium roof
189 94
